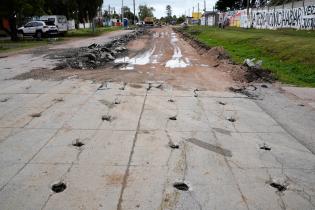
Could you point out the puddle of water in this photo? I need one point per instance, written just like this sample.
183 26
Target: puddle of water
173 38
141 59
177 60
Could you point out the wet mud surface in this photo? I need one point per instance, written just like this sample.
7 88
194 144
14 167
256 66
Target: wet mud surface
159 55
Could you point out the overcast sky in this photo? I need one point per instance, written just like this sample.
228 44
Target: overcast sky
178 6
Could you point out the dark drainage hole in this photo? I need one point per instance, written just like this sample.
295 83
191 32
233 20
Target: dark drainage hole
231 119
222 103
77 143
107 118
181 186
36 115
174 146
278 186
265 147
173 118
171 100
58 187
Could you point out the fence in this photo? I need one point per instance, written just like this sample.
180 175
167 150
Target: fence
298 15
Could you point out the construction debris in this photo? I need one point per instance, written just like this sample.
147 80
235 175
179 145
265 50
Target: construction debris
95 55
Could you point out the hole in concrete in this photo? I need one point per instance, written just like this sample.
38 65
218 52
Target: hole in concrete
222 103
77 143
181 186
36 115
117 101
279 187
264 86
58 187
173 118
265 147
123 86
174 146
195 92
301 105
58 99
107 118
4 99
149 87
171 100
231 119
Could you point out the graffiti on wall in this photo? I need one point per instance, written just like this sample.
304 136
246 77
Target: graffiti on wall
299 18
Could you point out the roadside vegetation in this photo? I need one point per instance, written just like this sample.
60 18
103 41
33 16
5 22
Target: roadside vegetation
9 46
288 54
88 32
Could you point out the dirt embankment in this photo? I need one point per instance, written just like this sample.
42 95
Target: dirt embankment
219 56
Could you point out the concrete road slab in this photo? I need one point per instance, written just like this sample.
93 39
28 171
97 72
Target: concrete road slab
91 186
108 148
31 188
118 145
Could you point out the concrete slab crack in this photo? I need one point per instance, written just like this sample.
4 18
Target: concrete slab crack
126 175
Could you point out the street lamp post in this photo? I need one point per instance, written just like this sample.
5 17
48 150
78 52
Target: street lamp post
134 12
122 11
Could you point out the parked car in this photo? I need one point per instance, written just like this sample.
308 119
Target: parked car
60 21
38 29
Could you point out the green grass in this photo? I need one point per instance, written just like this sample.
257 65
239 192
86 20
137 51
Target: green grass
9 46
87 32
289 54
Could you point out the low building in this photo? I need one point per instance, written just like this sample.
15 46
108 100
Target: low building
210 18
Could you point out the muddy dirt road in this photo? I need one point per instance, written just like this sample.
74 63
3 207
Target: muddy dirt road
158 56
156 128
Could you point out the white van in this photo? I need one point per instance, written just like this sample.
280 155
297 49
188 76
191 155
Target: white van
60 21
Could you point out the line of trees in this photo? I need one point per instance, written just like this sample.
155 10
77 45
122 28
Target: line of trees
171 19
15 11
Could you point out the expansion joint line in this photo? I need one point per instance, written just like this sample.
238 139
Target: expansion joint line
126 175
225 159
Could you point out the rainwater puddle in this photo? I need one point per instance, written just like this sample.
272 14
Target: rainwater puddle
177 60
142 59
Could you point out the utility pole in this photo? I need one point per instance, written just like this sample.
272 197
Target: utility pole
134 12
109 15
204 12
247 9
122 11
198 15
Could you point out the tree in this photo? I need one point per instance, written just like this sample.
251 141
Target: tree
88 9
128 14
14 10
224 5
168 13
145 11
61 7
180 19
17 11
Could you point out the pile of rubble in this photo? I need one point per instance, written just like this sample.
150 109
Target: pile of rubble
94 55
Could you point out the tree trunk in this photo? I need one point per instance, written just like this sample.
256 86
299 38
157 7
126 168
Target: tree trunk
13 30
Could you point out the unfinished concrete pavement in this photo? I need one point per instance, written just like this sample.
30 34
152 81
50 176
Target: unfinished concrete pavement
157 148
127 163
